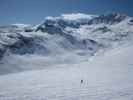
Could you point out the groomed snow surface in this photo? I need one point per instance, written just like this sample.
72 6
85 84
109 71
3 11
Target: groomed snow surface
105 77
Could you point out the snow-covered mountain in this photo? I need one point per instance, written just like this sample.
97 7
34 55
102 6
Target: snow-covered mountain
69 38
53 57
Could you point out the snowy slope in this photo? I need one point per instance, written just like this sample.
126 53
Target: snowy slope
105 77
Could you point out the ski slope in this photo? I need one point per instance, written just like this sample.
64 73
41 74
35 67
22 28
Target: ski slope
105 77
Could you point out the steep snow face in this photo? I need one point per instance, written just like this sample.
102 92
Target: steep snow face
69 38
66 20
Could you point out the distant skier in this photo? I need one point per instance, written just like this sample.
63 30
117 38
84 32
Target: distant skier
81 81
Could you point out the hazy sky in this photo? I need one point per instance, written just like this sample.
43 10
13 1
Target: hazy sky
34 11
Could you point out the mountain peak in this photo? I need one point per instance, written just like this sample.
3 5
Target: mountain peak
109 18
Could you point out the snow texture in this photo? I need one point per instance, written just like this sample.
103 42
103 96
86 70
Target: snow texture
48 61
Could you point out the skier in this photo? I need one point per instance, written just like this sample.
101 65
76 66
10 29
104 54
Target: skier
81 81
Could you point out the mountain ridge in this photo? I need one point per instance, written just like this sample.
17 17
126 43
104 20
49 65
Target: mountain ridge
72 35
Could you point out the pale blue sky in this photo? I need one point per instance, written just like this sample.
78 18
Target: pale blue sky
34 11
